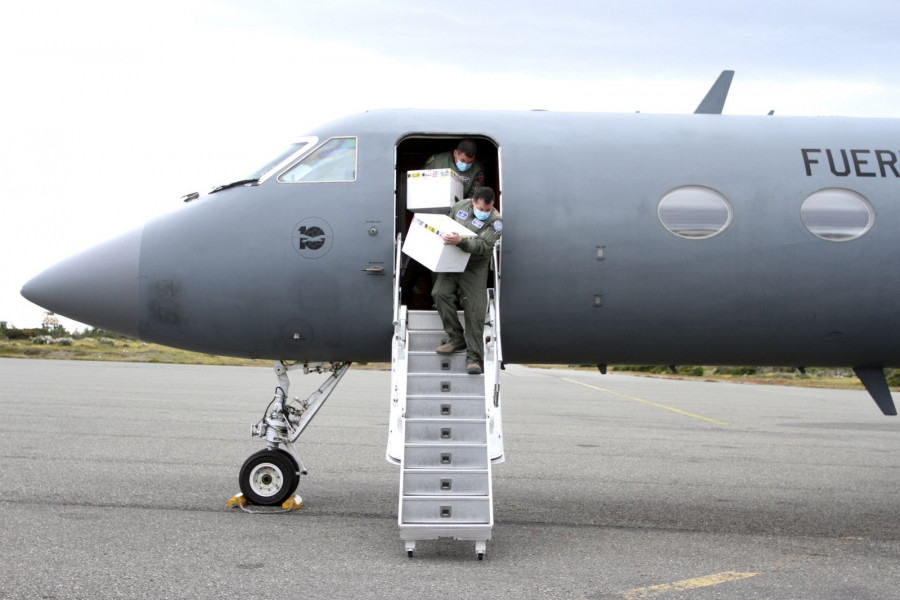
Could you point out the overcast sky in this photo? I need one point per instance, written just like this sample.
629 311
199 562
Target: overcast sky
112 110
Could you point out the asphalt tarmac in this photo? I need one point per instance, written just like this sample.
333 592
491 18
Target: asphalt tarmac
114 479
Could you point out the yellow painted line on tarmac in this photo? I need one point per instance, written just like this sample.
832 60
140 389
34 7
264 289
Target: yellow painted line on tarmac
687 584
656 404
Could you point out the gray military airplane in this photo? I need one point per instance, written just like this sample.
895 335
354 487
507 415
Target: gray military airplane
628 239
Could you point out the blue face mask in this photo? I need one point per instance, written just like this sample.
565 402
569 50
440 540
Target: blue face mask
481 216
462 166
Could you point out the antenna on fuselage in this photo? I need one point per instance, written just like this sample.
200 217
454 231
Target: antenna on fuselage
714 101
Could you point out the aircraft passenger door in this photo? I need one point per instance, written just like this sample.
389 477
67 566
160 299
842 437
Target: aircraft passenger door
413 152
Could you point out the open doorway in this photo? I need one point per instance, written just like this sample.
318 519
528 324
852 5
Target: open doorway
412 153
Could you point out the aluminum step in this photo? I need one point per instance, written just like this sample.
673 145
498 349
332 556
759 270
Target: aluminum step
417 320
443 483
447 510
445 407
438 384
445 431
446 456
427 340
432 362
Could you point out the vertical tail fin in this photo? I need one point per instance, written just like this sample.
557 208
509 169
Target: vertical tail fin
714 101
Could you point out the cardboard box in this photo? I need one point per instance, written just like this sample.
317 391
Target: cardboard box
433 190
425 243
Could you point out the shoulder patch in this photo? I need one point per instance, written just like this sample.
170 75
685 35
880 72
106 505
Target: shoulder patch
430 160
498 225
461 214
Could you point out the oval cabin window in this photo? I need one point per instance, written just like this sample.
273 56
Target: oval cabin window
837 215
694 212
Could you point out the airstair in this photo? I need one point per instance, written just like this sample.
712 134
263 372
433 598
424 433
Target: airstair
445 427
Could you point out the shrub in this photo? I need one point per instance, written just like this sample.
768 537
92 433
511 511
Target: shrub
693 370
742 371
893 376
22 334
649 368
102 333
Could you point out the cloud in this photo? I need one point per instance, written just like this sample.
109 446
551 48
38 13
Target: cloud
114 110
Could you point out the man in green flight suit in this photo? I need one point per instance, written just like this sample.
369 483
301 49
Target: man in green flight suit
463 162
478 215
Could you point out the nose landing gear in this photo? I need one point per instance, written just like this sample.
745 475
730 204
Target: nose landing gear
271 476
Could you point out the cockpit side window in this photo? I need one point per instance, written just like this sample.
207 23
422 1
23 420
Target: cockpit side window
335 160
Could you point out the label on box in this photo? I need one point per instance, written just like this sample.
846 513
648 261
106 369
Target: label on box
462 232
434 173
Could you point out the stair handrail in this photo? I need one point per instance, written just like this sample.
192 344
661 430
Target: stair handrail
397 259
495 302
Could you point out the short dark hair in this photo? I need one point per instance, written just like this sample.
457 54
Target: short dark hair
484 193
467 147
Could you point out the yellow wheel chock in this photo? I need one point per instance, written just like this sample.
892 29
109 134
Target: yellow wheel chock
237 501
292 503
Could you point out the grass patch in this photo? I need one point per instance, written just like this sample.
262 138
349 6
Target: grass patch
124 350
119 350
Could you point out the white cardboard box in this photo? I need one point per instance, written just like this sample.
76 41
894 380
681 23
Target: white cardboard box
425 243
432 190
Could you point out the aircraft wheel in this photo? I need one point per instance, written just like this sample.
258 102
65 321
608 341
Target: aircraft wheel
269 477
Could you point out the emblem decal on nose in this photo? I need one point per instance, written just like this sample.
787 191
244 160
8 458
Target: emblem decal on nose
312 237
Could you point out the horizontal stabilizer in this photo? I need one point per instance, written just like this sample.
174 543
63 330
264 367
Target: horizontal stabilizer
876 385
714 101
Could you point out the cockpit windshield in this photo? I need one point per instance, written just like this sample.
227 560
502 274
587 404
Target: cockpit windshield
290 152
335 160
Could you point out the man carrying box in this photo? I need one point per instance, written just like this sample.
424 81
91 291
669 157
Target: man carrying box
468 169
477 215
463 162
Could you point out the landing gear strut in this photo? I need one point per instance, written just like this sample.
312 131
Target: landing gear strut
271 476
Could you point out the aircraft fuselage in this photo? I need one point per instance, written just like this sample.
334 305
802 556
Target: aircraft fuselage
590 272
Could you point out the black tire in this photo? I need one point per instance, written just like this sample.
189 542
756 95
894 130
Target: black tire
293 460
269 477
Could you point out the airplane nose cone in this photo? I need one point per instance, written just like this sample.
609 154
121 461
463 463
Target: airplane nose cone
98 287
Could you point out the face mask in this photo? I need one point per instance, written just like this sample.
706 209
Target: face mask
481 216
462 166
